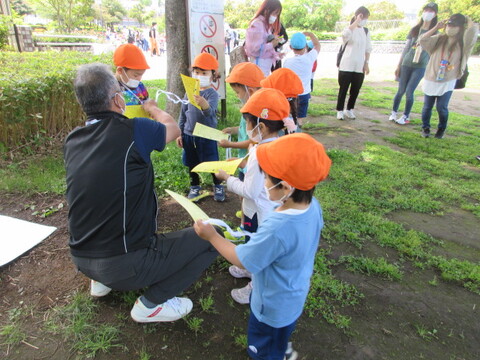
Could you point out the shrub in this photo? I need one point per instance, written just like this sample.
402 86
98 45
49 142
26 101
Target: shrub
4 22
37 96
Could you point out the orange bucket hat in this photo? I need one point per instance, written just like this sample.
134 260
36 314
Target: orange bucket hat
131 57
268 104
205 61
247 74
284 80
298 159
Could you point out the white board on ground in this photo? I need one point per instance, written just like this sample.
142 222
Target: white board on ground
18 236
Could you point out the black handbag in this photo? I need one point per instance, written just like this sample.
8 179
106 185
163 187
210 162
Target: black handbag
460 84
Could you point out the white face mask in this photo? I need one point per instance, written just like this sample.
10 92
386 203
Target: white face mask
205 81
363 22
452 31
244 101
131 83
255 138
124 108
283 198
272 19
428 16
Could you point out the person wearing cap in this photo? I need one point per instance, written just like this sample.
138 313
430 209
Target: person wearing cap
281 254
130 66
245 80
264 113
353 66
449 53
262 35
291 86
197 149
413 61
113 206
302 63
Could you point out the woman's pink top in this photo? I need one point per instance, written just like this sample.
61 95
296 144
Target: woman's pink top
257 35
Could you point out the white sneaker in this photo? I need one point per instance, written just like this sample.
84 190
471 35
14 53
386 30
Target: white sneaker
403 120
97 289
239 273
393 116
170 310
350 114
340 115
242 295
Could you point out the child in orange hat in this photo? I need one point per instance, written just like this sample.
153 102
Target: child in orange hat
281 253
245 80
130 66
264 113
290 84
196 149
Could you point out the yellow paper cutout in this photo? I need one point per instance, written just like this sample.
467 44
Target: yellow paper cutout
207 132
213 166
133 111
192 87
194 211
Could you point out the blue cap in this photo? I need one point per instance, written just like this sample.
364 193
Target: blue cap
310 44
298 41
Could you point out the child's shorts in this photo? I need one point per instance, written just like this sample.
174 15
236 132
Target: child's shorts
197 150
266 342
303 101
250 224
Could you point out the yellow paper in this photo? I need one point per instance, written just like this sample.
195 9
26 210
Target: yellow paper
207 132
195 212
192 87
133 111
213 166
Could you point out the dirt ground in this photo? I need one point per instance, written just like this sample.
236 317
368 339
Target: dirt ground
385 325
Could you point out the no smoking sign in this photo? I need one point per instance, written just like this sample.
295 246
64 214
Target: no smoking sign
208 26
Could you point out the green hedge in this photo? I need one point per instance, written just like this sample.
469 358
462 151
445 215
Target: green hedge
36 93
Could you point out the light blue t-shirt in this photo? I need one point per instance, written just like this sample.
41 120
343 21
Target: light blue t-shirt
242 136
280 256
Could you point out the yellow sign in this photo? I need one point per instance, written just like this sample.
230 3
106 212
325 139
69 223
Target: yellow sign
207 132
194 211
214 166
192 87
133 111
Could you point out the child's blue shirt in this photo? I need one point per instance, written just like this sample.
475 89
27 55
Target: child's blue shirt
280 255
190 115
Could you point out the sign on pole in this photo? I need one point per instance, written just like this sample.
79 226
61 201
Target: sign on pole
207 34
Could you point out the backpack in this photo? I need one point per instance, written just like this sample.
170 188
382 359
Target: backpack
342 49
460 84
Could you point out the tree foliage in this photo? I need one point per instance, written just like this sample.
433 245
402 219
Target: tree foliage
239 13
384 10
68 14
319 15
21 7
470 8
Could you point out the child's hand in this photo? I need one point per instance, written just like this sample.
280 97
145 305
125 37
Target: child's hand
205 231
224 143
308 34
179 142
222 175
243 164
202 102
227 130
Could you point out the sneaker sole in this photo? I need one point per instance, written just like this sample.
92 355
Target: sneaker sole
100 294
143 319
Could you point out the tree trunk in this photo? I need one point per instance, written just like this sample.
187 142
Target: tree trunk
177 50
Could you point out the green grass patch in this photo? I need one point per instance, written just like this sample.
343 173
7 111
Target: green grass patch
364 265
76 323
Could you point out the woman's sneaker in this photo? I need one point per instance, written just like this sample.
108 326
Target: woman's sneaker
404 120
170 310
393 116
350 114
239 273
242 295
97 289
340 115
